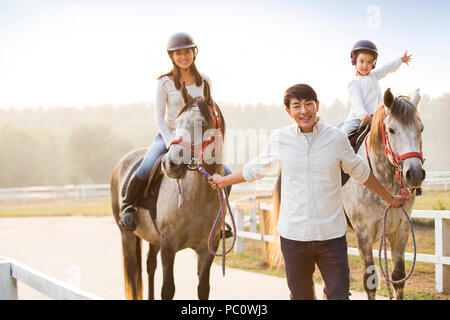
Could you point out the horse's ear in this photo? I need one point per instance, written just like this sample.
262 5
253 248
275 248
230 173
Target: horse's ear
388 98
415 97
185 94
207 93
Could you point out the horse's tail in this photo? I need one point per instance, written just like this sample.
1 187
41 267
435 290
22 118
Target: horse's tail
274 255
133 271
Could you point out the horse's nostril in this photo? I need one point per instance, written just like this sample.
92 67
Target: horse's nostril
408 175
424 174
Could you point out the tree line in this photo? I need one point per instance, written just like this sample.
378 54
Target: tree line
78 145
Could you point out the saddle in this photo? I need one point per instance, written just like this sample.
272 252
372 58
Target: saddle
150 196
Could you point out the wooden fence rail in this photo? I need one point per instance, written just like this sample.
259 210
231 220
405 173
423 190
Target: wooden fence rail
12 271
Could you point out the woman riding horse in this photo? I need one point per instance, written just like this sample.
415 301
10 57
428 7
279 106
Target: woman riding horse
183 51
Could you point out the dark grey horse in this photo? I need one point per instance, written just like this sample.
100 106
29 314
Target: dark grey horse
177 228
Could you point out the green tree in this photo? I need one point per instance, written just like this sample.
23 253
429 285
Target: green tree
92 152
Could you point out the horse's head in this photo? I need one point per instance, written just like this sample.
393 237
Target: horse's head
397 124
199 132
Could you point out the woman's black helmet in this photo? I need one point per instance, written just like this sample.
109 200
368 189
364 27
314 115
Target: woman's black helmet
365 45
180 40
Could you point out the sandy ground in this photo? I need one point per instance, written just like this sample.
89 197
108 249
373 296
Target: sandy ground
86 252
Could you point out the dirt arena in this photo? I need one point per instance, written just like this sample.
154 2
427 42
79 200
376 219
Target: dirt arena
86 252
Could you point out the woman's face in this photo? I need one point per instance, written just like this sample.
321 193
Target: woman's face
183 58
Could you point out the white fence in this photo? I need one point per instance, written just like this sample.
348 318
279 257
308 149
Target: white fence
434 180
441 257
76 192
12 271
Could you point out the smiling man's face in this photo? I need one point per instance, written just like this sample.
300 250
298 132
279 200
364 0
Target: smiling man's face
304 113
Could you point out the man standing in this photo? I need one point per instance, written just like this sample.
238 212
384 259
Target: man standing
312 222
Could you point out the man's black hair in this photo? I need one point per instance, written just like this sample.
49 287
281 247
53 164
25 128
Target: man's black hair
300 91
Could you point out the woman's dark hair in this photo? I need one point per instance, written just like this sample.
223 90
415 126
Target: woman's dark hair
300 91
176 74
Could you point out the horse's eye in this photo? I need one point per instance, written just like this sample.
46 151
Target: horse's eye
391 131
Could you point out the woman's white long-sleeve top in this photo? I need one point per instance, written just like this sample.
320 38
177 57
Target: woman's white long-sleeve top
169 103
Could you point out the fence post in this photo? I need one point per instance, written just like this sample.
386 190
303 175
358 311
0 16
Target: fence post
239 246
445 252
252 213
8 285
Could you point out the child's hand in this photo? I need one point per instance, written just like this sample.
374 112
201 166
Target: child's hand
406 59
366 118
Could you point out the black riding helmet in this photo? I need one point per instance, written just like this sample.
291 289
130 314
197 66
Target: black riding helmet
181 40
365 45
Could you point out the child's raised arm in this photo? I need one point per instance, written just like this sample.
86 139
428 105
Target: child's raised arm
405 58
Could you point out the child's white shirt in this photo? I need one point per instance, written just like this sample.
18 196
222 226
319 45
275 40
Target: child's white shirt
365 92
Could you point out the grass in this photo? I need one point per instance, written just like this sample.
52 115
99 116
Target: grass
420 286
58 208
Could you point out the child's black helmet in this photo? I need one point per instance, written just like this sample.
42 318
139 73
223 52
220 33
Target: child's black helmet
366 45
180 40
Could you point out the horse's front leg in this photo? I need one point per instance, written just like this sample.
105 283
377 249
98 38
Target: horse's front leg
151 267
370 276
204 261
167 260
398 244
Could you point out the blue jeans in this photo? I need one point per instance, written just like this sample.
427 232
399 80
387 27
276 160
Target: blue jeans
153 153
331 257
350 125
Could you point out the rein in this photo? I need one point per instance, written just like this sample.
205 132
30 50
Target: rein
220 217
222 194
395 160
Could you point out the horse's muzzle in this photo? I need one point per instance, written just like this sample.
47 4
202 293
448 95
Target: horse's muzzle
414 174
173 170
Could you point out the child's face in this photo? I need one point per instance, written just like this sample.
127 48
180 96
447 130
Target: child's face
364 63
304 113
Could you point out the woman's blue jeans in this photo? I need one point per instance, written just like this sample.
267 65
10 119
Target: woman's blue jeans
153 153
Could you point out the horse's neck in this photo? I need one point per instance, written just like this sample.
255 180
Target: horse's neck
383 170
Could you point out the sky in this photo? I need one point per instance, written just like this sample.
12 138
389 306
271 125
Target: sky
91 52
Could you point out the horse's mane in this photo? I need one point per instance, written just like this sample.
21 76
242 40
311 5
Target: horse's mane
402 111
204 110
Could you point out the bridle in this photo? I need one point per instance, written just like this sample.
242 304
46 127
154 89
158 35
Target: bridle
394 158
198 149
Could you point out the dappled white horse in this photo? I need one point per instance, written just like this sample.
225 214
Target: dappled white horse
393 144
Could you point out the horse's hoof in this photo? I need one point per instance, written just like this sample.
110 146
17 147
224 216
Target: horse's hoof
128 219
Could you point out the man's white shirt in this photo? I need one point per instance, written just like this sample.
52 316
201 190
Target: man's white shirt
311 201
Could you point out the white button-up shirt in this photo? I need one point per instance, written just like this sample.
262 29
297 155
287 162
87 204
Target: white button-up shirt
311 202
